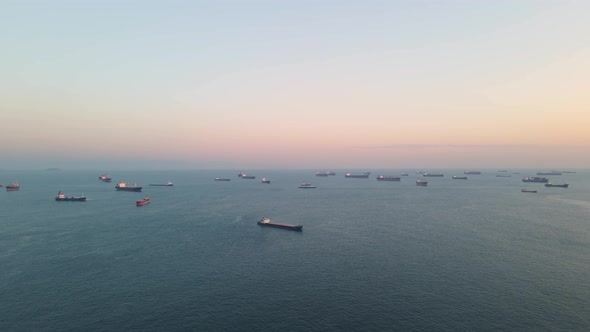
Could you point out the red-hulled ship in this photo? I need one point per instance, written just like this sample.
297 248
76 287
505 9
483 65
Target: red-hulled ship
144 201
266 222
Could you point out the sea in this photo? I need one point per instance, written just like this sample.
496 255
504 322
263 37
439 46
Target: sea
457 255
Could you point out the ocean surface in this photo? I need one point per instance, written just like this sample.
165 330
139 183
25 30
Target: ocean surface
457 255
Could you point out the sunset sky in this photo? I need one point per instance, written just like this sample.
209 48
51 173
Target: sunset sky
295 84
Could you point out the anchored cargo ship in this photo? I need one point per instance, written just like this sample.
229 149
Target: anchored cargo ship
144 201
459 177
306 186
357 176
535 179
105 178
528 191
549 173
433 174
266 222
472 172
421 182
321 174
221 179
122 186
13 186
167 184
565 185
62 197
388 178
264 180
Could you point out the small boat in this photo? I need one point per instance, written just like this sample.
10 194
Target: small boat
551 185
62 197
528 191
421 182
13 186
266 222
264 180
105 178
1 185
459 177
304 185
144 201
221 179
122 186
535 179
388 178
167 184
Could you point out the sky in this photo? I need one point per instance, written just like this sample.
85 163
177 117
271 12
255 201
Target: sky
294 84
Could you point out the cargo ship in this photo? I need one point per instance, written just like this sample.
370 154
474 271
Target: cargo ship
246 176
421 182
528 191
551 185
321 174
105 178
221 179
62 197
459 177
472 172
264 180
304 185
13 186
333 173
535 179
549 173
357 176
266 222
122 186
388 178
240 174
404 174
167 184
433 174
144 201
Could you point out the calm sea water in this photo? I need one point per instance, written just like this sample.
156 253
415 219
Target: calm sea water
458 255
